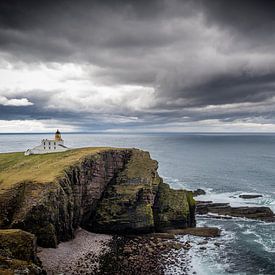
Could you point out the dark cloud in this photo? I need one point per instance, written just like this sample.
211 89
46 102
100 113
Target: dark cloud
247 17
224 89
194 54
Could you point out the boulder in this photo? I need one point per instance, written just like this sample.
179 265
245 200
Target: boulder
198 192
18 253
18 244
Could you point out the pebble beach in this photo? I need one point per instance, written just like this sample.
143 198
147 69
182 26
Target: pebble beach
78 256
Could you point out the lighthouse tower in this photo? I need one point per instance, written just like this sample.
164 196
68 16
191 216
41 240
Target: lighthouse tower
58 136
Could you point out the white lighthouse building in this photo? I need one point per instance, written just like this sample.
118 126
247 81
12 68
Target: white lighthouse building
49 146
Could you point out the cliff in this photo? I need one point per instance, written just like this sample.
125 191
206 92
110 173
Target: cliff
101 189
18 253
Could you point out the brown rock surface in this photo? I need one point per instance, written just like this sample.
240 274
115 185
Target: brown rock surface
224 209
197 231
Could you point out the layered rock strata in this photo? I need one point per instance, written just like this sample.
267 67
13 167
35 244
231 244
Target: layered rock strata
225 210
114 190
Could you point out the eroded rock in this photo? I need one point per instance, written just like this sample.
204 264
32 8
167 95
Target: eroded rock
18 253
224 209
198 192
197 231
250 196
173 208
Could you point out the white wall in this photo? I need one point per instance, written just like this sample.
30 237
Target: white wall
47 146
50 144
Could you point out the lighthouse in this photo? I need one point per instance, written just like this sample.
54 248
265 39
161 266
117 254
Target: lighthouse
49 146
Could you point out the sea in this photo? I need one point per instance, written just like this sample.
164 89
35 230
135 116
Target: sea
225 166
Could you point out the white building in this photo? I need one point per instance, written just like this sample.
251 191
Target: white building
48 146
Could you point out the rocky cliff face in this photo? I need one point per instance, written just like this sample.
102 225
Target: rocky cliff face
18 253
115 190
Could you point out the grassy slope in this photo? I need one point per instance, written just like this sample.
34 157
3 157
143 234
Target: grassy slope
15 167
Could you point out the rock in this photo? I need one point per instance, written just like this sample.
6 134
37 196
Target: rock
127 250
224 209
198 192
187 247
18 252
261 213
173 208
203 207
177 246
162 235
248 196
18 244
15 266
127 203
137 203
197 231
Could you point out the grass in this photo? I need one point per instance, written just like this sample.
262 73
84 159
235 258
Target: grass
16 167
10 231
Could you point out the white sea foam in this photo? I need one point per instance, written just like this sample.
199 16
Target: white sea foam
218 259
248 232
235 201
210 260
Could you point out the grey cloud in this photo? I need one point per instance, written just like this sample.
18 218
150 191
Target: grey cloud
251 18
225 89
159 44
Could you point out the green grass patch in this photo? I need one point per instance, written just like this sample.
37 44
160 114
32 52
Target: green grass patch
16 167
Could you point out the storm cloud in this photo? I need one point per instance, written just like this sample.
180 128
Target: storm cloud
205 65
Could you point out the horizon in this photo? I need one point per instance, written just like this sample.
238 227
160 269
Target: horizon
134 133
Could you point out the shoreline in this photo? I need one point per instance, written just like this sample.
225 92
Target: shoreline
77 256
92 253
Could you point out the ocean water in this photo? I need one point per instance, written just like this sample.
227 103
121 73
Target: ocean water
225 165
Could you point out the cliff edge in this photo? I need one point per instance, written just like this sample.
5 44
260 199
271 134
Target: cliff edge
100 189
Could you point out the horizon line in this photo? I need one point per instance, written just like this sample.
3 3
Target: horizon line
132 133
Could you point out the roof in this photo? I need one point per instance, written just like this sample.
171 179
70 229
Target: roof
61 145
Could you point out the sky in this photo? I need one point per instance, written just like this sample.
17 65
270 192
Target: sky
137 66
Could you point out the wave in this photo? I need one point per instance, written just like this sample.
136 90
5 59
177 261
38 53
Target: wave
238 234
235 201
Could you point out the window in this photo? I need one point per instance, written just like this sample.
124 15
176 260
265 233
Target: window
44 148
54 143
54 148
49 148
44 143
